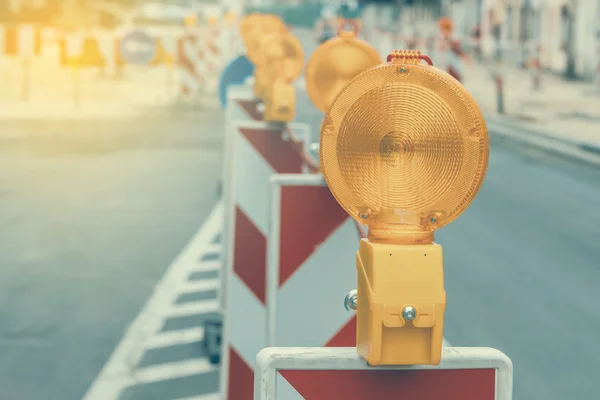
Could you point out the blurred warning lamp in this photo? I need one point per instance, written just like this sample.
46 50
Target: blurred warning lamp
335 62
281 64
404 150
253 27
190 20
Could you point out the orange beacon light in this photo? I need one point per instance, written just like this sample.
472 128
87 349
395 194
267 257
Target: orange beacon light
404 150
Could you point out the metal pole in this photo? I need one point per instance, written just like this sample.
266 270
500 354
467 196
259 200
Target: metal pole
26 78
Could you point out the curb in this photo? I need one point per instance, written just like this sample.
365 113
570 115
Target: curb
546 140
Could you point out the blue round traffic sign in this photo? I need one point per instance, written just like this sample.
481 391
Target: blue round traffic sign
235 73
138 48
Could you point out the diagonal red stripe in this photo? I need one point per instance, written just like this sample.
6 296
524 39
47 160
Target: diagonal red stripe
465 384
250 107
309 215
250 254
281 154
345 337
241 378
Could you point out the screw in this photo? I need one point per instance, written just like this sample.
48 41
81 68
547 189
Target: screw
401 70
409 313
364 215
351 300
433 220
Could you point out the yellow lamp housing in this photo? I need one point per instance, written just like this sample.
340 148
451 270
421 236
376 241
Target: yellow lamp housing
334 63
284 61
404 150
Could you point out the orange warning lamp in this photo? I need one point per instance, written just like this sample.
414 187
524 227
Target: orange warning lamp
230 17
404 150
254 28
190 20
335 62
283 63
212 20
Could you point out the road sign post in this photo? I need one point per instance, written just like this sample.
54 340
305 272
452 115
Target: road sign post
317 373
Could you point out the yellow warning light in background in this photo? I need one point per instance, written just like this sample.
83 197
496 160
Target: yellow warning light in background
404 150
283 62
191 20
212 20
334 63
256 34
230 18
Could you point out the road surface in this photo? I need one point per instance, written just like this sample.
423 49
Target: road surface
92 213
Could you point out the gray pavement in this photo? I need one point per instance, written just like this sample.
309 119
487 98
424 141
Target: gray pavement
92 213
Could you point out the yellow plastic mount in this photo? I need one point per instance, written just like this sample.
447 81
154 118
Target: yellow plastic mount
280 102
261 81
390 278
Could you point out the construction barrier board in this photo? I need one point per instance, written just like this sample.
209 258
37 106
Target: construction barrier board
464 373
311 264
259 150
237 96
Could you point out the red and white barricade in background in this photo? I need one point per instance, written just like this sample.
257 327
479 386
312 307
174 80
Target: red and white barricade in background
465 373
310 266
23 41
259 150
190 62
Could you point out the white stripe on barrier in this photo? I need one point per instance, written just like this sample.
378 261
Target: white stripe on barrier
246 331
256 205
315 293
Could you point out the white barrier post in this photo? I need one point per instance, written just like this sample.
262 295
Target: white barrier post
258 151
241 106
311 241
464 373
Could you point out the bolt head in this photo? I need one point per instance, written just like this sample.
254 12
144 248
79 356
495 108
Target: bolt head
409 313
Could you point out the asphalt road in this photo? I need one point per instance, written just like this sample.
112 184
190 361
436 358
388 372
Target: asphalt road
92 213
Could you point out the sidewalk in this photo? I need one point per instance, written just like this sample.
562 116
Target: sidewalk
568 112
60 93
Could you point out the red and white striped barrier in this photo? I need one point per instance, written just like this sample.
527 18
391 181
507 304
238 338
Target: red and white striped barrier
312 241
189 58
24 41
259 150
241 106
465 373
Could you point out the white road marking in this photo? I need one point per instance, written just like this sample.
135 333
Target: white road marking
200 286
187 309
214 265
214 248
214 396
119 371
182 336
180 369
